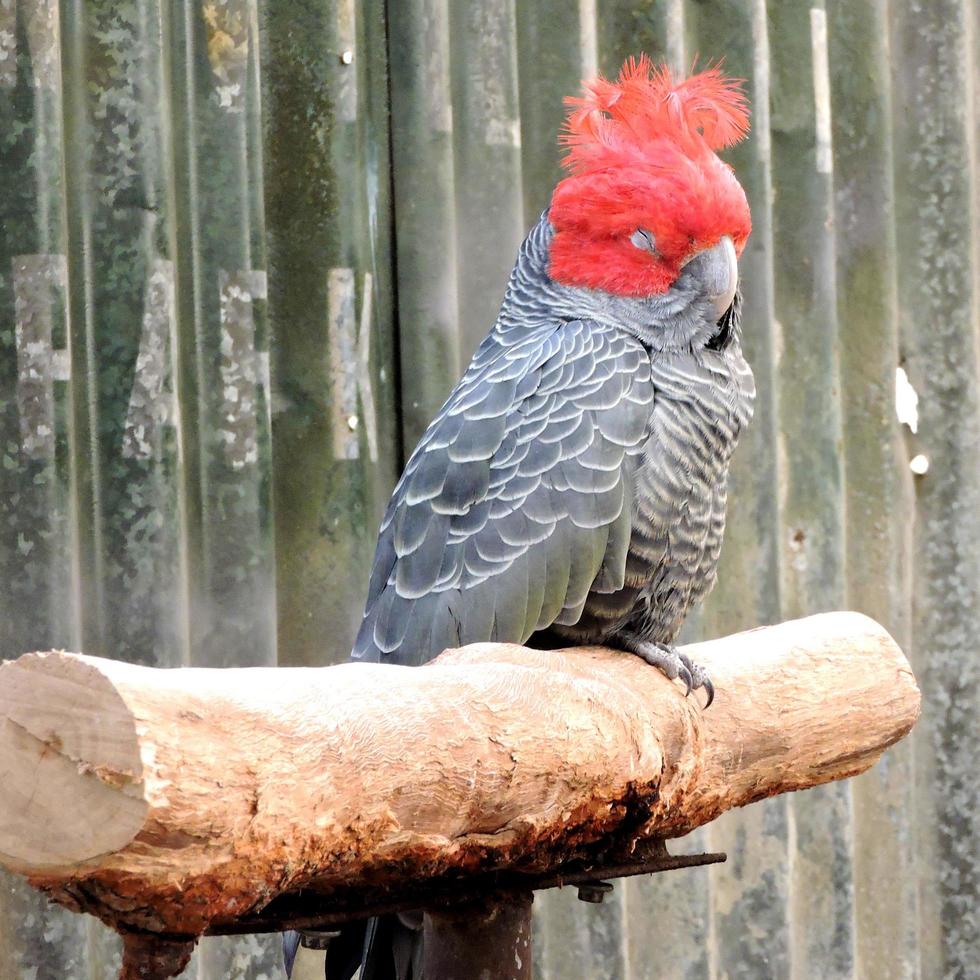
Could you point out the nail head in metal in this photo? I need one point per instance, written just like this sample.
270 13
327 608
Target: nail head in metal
316 940
594 891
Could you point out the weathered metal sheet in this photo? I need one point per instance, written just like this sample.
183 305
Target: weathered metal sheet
749 909
425 221
328 214
878 486
934 65
810 477
207 389
36 434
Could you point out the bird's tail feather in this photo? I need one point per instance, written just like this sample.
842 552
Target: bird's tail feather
392 949
290 946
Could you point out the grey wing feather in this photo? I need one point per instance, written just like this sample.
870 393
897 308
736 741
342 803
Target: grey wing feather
517 500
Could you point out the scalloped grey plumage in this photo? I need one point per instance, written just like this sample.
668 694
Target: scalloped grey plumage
573 484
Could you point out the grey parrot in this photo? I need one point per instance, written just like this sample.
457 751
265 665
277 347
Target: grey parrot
572 488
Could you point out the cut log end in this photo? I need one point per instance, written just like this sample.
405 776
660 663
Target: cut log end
69 763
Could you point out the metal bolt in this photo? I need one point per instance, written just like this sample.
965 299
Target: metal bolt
919 465
352 422
594 891
347 57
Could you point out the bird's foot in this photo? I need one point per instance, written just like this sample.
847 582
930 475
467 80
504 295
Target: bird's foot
674 664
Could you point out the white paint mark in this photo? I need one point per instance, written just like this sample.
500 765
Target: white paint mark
151 398
238 425
906 400
919 465
588 40
350 365
229 96
821 90
346 81
38 280
60 365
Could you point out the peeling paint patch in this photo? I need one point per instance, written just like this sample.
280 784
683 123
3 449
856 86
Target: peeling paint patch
37 280
8 43
906 400
227 23
151 401
240 365
44 41
350 365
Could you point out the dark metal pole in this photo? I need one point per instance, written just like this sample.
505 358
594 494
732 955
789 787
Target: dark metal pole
489 939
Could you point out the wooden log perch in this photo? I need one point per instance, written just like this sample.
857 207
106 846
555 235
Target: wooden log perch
177 802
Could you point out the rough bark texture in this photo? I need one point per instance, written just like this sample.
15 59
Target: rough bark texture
175 801
149 957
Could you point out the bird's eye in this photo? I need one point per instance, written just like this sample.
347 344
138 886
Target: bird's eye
644 239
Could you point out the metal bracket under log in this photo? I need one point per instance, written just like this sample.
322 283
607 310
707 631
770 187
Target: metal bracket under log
484 927
478 926
308 912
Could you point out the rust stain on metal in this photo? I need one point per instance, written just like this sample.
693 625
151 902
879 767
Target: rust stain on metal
227 24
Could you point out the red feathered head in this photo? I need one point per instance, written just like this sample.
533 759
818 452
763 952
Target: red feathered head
641 159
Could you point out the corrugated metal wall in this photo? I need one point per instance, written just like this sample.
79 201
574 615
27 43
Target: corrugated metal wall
206 215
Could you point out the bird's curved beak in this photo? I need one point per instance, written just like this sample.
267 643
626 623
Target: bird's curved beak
717 269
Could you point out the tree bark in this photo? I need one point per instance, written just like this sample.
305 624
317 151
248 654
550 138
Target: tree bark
178 801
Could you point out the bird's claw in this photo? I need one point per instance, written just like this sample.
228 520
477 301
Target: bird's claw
685 675
675 664
709 689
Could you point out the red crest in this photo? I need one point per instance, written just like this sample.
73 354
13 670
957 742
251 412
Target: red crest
641 156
